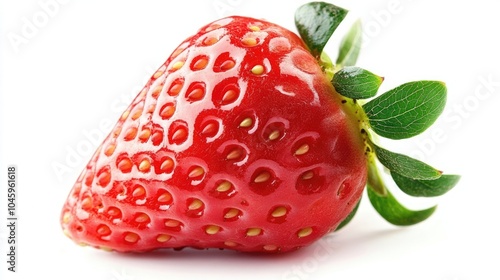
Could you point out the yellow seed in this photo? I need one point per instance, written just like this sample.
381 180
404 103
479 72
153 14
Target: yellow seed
308 175
178 65
195 204
131 133
142 218
167 164
279 211
137 113
117 131
270 247
253 231
167 111
158 74
172 223
305 232
212 27
66 232
234 154
231 213
210 41
131 237
178 51
212 229
165 197
142 94
258 70
103 230
163 238
138 191
274 135
254 28
302 150
230 243
110 150
145 165
200 64
145 134
125 115
262 177
104 248
87 203
247 122
224 186
249 41
197 171
66 217
156 91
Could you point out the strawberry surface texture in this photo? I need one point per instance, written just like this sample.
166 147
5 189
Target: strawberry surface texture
249 138
238 141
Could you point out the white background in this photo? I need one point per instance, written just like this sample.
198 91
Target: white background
69 68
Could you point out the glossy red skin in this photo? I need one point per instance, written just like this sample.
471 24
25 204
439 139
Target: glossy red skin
106 206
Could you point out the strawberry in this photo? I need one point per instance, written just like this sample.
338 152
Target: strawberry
240 140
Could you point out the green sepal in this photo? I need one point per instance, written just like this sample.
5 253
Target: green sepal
425 188
395 213
327 66
405 165
350 46
356 83
316 22
406 110
349 217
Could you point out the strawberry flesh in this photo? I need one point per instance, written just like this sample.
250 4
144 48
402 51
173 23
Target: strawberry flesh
238 141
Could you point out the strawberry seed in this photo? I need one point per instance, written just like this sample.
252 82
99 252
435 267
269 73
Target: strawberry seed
254 231
224 186
131 237
145 165
196 172
302 150
138 191
232 213
270 247
196 204
163 238
279 211
304 232
211 230
262 177
258 70
247 122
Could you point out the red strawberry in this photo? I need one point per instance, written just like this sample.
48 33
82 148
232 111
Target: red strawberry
238 141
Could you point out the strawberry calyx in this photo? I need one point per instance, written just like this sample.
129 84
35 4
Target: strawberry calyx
400 113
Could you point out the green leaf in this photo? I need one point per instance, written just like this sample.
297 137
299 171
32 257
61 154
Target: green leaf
356 83
316 22
350 46
425 188
349 217
405 165
395 213
407 110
